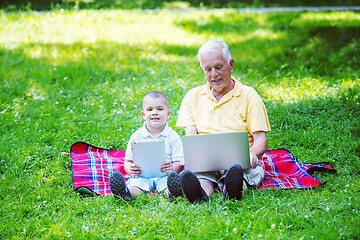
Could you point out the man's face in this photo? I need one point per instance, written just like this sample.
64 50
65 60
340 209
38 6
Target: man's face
217 72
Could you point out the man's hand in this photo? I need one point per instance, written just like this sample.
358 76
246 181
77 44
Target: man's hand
258 148
254 161
166 167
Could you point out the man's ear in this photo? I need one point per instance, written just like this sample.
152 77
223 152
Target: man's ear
231 63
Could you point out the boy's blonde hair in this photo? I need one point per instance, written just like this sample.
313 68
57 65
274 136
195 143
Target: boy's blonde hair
157 94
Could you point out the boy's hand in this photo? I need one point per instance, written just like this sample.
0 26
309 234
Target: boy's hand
166 167
254 161
134 170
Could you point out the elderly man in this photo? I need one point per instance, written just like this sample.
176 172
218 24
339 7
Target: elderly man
221 105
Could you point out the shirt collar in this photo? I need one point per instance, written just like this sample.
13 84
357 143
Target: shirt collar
235 92
146 134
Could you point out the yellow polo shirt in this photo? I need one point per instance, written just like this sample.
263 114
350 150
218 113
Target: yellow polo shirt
241 109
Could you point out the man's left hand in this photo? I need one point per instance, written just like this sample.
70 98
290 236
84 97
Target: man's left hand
254 161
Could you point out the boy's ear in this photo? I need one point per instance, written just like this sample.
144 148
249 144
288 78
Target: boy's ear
143 114
168 115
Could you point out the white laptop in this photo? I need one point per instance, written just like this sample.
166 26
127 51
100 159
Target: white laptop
149 155
213 152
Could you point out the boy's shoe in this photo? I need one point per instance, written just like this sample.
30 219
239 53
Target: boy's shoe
234 183
192 188
118 186
174 187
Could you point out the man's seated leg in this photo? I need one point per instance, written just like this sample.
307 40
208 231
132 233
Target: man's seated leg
208 186
192 187
233 186
254 177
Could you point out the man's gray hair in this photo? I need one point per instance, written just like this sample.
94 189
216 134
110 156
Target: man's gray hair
211 46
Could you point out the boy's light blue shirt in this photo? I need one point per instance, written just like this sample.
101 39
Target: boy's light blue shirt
173 144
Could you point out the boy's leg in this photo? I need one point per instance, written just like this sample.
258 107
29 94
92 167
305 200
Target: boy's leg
138 185
174 190
118 186
160 185
135 191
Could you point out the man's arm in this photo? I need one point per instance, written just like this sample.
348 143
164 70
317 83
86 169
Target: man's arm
258 148
191 130
178 166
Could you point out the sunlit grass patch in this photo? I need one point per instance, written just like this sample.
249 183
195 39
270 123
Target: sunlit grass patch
290 90
90 26
68 76
343 19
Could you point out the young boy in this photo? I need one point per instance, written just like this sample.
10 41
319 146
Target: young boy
156 112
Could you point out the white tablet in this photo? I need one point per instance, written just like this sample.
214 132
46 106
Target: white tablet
149 155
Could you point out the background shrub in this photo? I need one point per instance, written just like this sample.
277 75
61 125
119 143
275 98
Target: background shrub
153 4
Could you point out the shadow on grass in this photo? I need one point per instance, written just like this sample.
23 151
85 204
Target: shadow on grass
52 95
87 75
318 130
324 44
266 47
313 130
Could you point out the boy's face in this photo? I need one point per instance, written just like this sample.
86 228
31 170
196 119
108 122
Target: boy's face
155 112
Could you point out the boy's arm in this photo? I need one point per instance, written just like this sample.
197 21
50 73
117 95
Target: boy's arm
131 168
177 155
168 167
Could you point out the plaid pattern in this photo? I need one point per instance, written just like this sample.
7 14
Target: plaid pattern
283 171
92 167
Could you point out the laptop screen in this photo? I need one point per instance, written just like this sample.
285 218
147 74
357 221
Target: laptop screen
213 152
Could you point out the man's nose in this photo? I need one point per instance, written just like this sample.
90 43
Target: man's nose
214 72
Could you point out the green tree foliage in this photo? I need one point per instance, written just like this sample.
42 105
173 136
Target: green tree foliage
153 4
30 4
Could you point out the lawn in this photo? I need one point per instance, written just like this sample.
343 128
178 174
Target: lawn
68 76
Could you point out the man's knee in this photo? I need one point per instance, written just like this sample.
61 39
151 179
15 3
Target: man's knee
208 186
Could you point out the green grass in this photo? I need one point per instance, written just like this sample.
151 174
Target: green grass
68 76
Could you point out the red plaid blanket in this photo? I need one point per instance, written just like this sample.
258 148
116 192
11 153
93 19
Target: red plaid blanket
283 171
92 167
